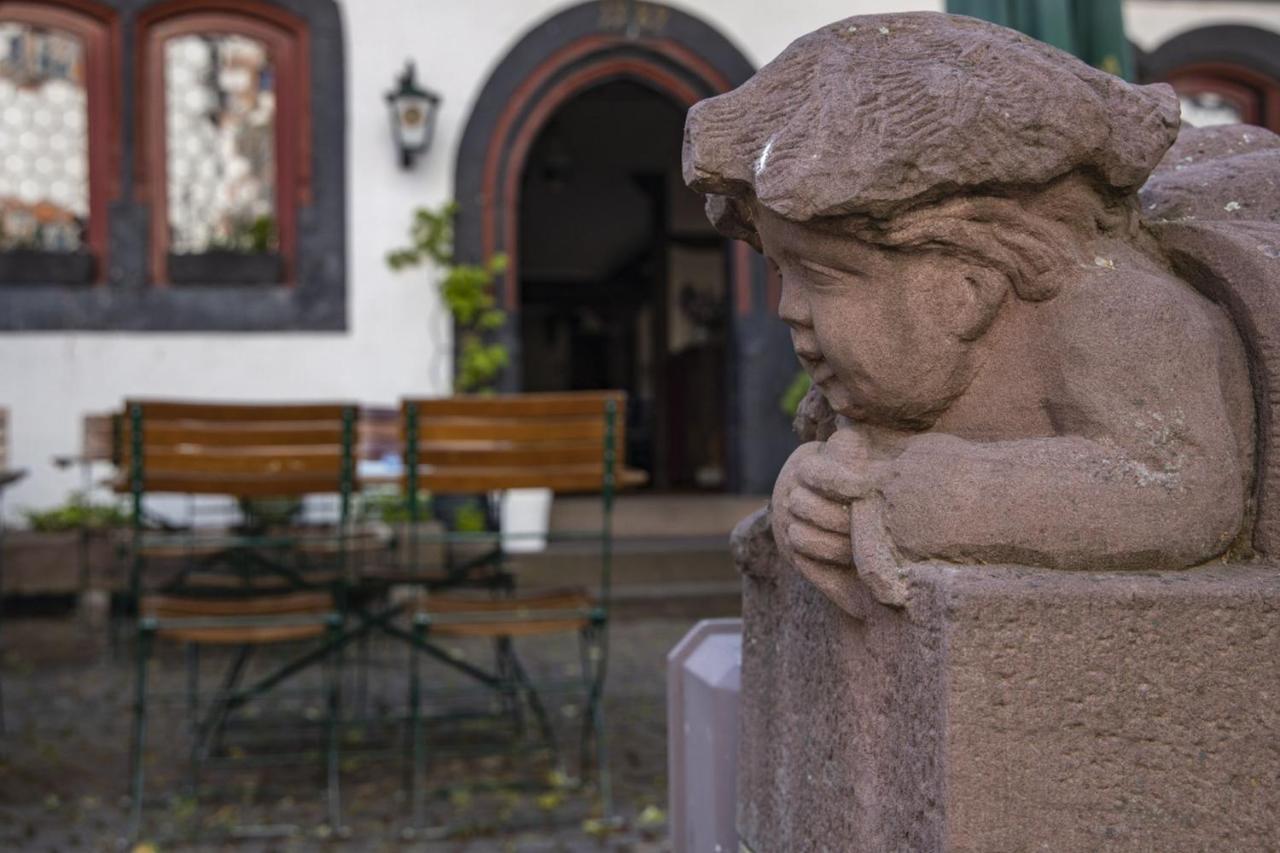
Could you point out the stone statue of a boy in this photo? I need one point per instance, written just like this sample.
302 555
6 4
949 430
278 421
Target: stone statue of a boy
1017 374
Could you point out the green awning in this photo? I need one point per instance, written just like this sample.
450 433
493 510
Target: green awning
1090 29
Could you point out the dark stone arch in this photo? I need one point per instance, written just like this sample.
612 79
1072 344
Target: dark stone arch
1251 47
563 43
1250 55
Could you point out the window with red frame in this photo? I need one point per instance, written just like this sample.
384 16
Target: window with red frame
223 153
56 166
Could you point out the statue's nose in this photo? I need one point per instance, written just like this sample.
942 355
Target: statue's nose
793 307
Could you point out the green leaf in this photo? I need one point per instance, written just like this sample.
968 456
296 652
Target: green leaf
465 289
790 401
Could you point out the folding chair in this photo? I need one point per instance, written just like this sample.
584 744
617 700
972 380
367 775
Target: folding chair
98 445
568 442
8 477
247 587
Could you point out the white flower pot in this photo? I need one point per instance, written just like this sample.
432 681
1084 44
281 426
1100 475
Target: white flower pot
524 515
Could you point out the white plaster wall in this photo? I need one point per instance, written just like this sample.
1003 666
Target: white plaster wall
1150 23
397 340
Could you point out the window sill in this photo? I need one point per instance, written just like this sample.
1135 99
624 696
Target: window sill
223 267
36 266
139 307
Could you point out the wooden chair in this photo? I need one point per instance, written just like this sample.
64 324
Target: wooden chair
99 445
8 476
245 587
567 442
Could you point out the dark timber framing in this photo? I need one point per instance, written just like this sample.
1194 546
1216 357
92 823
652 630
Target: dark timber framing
685 60
129 298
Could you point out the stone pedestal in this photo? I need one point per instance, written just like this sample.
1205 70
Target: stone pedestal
1010 709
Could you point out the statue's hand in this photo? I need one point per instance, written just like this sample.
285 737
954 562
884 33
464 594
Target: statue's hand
812 497
820 489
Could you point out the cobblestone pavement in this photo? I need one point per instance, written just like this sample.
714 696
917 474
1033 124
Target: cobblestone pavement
64 754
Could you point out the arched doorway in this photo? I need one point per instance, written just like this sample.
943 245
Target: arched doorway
655 59
1222 74
623 281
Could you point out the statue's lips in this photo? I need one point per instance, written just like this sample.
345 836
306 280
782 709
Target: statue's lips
816 366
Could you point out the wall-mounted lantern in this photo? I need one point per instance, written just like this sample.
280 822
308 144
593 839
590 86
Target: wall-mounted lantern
413 115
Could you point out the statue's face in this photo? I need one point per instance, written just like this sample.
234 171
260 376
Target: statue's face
879 330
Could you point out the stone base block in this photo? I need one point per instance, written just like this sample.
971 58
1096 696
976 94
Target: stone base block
1012 709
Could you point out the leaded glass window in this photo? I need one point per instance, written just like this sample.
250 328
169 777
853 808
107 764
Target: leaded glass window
44 139
220 143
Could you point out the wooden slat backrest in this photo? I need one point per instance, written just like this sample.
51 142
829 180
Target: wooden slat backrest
272 413
239 449
507 441
269 605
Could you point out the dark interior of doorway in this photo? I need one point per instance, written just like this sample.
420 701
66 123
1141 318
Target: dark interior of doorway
623 282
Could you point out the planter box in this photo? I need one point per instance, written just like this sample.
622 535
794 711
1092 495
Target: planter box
50 563
32 266
220 266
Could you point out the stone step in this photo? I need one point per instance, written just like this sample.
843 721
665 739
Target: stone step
659 540
636 563
659 516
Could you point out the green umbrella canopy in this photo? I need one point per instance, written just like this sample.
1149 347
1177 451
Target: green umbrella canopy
1090 29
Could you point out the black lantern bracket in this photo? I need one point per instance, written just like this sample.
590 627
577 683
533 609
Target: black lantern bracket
413 115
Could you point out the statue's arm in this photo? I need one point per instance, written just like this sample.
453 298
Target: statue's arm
1064 502
1146 470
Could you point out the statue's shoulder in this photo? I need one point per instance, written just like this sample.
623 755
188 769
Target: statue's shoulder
1213 205
1224 174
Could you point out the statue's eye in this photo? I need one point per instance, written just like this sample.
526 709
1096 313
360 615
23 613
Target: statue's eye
830 275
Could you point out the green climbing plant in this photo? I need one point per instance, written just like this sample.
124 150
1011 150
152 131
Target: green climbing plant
77 513
467 291
790 400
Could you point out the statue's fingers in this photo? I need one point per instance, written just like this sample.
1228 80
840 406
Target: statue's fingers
814 569
833 480
818 510
820 544
847 442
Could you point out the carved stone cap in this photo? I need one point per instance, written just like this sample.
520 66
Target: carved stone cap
878 113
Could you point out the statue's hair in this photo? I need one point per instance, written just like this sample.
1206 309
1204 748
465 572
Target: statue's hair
1032 238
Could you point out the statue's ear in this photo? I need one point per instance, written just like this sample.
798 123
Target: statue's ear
980 295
